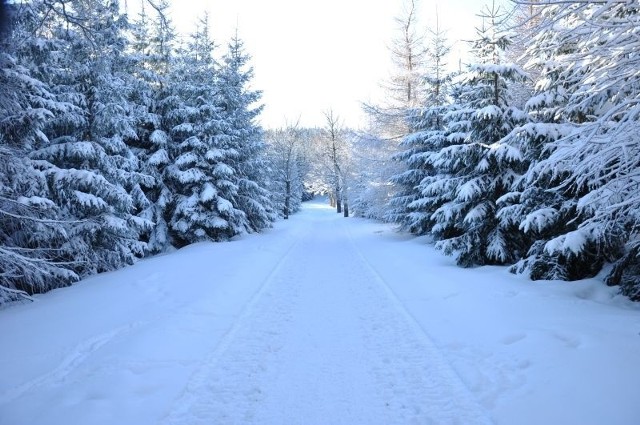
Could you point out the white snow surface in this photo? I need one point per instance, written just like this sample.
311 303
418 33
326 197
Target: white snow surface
320 320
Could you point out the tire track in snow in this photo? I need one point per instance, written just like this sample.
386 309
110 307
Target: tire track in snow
447 392
325 341
186 408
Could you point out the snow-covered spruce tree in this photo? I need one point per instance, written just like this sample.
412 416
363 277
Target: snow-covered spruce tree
600 154
480 167
31 236
149 62
243 137
284 164
90 170
413 203
533 208
201 175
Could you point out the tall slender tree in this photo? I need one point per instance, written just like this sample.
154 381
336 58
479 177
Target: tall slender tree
389 120
409 207
149 64
481 167
243 136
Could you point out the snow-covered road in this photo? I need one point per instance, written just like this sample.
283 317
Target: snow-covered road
321 320
325 342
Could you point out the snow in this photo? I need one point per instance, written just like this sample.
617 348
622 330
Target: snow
160 157
90 200
539 220
224 206
571 242
209 192
35 201
469 190
320 320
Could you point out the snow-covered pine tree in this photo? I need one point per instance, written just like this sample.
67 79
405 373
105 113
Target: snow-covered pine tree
532 208
149 61
201 175
31 235
413 203
242 136
88 165
481 168
599 156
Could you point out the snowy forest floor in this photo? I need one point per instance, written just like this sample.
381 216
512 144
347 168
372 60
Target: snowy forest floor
321 320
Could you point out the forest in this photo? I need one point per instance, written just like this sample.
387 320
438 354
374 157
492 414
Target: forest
120 140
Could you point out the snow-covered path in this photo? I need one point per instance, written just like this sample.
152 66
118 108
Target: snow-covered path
321 320
324 342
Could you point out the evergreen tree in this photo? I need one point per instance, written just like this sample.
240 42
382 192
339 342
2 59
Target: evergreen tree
481 168
533 208
149 62
243 136
31 234
596 155
201 175
409 207
90 170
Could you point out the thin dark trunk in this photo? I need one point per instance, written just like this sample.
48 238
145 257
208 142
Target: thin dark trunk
346 208
287 198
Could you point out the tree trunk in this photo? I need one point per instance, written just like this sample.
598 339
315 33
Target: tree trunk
338 200
346 208
287 198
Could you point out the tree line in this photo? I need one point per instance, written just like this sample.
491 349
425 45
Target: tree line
118 141
528 156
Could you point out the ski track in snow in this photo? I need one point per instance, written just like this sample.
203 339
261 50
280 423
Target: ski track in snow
325 342
75 357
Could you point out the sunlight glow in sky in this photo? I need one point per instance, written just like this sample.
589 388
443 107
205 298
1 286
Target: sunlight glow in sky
312 56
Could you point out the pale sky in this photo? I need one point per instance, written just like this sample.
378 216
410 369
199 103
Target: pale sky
309 56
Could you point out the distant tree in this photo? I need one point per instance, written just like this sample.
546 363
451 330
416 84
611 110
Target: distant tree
285 163
337 157
405 88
